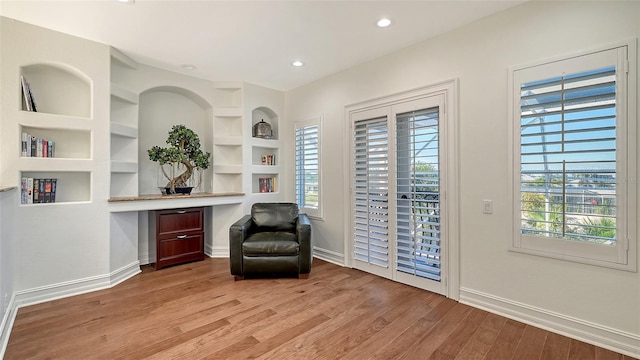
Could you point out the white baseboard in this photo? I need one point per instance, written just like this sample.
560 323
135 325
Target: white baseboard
592 333
124 273
7 324
75 287
329 256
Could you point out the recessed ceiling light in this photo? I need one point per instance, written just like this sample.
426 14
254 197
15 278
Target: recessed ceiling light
126 1
297 63
188 67
384 22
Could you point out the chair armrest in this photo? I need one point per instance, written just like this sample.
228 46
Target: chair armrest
303 233
238 232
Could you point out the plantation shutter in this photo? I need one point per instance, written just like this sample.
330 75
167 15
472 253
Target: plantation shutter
418 193
371 191
307 184
568 156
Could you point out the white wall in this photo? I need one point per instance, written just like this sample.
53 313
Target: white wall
47 253
7 238
594 303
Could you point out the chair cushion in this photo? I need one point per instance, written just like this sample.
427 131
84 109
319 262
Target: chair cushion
275 216
270 243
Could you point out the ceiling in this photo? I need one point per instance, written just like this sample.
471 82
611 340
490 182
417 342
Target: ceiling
253 41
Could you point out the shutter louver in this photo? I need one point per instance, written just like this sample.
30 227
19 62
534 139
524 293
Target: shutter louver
568 157
307 167
371 191
418 193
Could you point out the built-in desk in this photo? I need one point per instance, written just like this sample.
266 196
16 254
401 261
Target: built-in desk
159 202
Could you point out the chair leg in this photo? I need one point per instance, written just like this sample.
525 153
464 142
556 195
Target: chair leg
303 276
238 277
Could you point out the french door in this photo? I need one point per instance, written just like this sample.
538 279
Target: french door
397 192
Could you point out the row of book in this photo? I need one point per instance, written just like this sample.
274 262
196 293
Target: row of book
37 191
267 185
268 159
37 147
29 103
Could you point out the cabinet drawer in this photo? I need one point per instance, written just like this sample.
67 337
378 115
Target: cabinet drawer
179 220
180 246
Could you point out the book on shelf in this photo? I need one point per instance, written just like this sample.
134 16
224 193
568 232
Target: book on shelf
29 190
38 191
28 99
267 185
54 183
268 159
47 190
39 151
32 146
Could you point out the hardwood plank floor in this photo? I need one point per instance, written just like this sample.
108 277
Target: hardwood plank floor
197 311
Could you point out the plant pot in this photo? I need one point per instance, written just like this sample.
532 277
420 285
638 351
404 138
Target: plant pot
178 190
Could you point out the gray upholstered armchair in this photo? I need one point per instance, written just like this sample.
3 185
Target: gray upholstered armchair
274 239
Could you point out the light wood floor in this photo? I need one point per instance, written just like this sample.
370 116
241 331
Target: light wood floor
196 311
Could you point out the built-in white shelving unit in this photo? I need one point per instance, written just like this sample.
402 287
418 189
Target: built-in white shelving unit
265 175
124 129
228 136
62 95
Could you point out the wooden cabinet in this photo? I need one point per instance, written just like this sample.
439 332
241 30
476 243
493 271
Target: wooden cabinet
179 235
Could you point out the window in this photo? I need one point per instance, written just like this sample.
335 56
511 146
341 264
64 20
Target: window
418 189
308 184
402 160
573 157
371 191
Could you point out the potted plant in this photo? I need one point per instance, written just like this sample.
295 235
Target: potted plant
181 160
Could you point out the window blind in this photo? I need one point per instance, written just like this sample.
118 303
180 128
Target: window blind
307 168
371 191
568 156
418 193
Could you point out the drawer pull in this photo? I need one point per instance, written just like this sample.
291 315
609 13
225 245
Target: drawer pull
181 211
181 236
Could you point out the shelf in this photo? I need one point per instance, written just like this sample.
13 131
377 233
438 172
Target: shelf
158 202
69 144
227 112
124 130
44 120
265 169
123 184
124 167
269 116
255 183
227 169
53 164
71 187
227 182
123 94
265 143
59 90
7 188
227 140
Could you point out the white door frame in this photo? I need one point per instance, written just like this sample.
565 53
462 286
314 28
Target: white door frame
449 162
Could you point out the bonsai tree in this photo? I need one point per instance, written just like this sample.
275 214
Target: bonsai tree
183 152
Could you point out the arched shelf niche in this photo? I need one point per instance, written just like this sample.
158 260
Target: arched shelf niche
269 116
160 108
58 89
